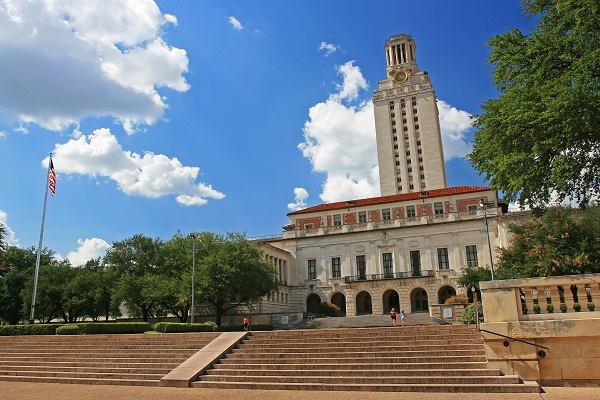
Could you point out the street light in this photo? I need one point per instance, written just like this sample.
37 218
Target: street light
193 236
484 205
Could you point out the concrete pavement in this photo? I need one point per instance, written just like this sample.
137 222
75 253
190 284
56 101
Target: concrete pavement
54 391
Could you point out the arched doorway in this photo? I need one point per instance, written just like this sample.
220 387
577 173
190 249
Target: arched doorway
339 300
364 305
312 301
391 299
444 293
418 300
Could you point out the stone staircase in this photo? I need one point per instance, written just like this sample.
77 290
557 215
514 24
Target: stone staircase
137 359
445 358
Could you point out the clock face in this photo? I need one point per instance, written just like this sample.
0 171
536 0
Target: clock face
400 76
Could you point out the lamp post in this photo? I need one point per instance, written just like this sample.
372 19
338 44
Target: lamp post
484 206
193 236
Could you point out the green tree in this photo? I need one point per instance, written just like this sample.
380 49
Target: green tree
561 241
138 262
17 268
540 137
232 271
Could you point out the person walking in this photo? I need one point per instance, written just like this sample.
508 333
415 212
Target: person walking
402 318
246 323
393 315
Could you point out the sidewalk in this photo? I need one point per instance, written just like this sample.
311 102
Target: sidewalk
54 391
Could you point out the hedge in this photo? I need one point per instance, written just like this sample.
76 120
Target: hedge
32 329
174 327
113 327
70 329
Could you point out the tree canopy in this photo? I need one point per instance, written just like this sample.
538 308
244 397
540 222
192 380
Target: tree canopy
561 241
539 140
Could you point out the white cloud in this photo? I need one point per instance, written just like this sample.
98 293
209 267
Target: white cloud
300 196
9 235
67 60
237 25
339 139
151 175
88 250
328 48
2 134
454 125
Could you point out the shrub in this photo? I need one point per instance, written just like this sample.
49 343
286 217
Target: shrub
33 329
536 308
591 306
71 329
329 309
457 299
550 308
174 327
468 315
113 327
563 307
577 307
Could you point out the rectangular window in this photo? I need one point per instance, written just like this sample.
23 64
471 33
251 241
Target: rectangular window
405 129
472 209
336 267
472 256
312 269
416 119
362 217
411 212
387 215
393 122
415 262
443 262
411 186
417 126
308 227
408 152
395 138
399 187
388 265
337 220
438 208
361 267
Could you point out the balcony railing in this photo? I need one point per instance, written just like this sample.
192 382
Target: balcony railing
393 275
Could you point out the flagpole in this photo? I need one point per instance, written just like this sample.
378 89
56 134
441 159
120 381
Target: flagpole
39 250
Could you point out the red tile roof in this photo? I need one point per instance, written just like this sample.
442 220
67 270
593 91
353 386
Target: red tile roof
392 199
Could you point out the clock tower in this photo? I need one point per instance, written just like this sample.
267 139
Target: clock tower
409 140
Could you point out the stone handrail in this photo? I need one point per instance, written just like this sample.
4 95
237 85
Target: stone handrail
541 298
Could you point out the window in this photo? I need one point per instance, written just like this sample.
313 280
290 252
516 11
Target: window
420 159
443 262
404 120
399 187
403 113
395 146
405 128
409 161
411 212
337 220
472 209
398 179
388 265
312 269
397 163
396 155
422 176
417 126
392 115
416 119
420 151
418 142
362 217
414 103
410 169
415 262
411 186
387 215
395 139
393 122
421 168
336 267
408 152
361 267
438 208
308 227
471 256
394 130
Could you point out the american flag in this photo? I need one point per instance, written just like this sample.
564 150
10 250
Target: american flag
52 179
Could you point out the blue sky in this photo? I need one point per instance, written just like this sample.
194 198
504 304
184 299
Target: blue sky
197 115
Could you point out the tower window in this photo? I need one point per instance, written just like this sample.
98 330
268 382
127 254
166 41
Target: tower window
408 153
399 187
416 118
418 142
420 159
386 214
395 139
405 129
404 120
397 163
391 106
392 115
410 211
421 168
410 169
408 161
422 176
393 130
411 186
398 180
337 220
417 126
420 151
393 122
395 146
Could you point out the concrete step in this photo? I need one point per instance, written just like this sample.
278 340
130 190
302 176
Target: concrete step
355 372
373 359
336 366
388 387
367 380
86 375
81 381
317 353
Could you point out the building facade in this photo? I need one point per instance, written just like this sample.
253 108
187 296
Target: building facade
407 248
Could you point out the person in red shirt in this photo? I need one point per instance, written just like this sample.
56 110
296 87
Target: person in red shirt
393 315
246 323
